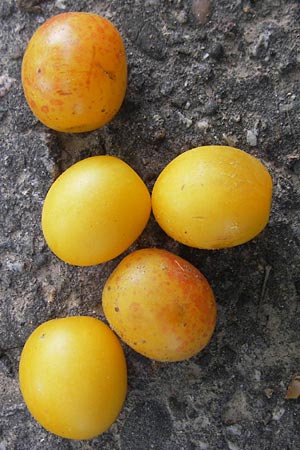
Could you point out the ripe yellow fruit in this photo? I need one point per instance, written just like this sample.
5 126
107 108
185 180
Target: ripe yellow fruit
74 72
213 197
95 210
160 305
73 376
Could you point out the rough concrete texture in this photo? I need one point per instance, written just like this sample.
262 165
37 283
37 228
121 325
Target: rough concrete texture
200 72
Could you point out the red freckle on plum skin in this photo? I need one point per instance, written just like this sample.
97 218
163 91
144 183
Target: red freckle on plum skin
32 103
56 102
45 108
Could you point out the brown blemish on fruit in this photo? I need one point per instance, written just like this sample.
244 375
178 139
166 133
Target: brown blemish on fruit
91 68
111 75
61 92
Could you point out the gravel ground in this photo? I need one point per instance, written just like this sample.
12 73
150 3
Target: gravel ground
200 72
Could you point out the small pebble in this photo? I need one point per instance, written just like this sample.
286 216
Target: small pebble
235 430
269 392
277 414
5 84
236 118
294 388
5 11
60 4
166 87
151 41
261 46
252 137
246 9
15 266
257 375
29 5
179 102
201 10
236 410
185 120
217 51
210 108
160 135
204 72
232 446
152 3
230 140
202 125
181 17
203 445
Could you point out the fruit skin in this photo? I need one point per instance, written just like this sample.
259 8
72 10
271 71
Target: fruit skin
73 376
213 197
160 305
74 72
95 210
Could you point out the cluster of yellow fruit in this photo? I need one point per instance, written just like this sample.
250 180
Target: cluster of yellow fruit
73 370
